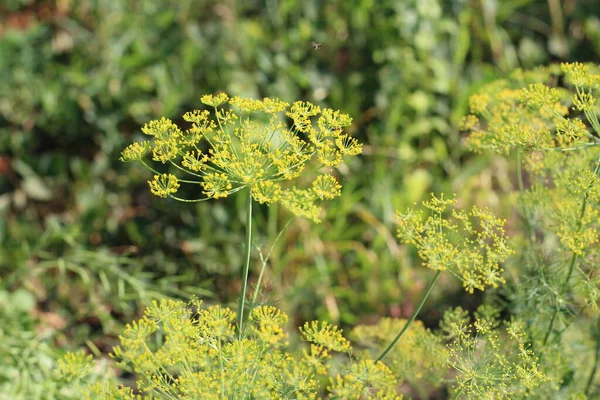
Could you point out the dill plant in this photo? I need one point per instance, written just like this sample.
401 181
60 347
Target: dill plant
247 145
180 350
547 121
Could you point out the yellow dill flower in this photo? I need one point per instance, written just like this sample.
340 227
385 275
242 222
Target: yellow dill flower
273 106
246 105
584 102
74 365
164 185
579 75
416 360
326 335
366 379
471 245
570 131
315 358
194 160
214 101
348 145
478 102
216 322
301 112
109 391
245 143
329 156
332 120
266 192
202 125
165 150
162 129
326 187
538 95
199 117
135 151
216 185
469 122
268 323
489 364
301 202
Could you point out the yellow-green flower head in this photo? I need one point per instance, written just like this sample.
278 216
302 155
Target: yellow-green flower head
162 129
216 322
135 151
163 185
326 187
266 192
535 111
214 101
74 365
268 323
581 75
323 334
248 143
366 379
469 244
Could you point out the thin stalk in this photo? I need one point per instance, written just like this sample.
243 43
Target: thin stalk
247 262
588 386
222 369
547 336
412 317
266 259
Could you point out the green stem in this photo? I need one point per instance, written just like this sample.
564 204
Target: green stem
588 386
412 317
247 261
222 369
266 259
547 336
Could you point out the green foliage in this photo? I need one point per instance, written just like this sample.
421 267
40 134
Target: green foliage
29 354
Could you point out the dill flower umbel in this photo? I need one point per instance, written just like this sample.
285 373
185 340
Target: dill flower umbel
247 143
471 244
490 363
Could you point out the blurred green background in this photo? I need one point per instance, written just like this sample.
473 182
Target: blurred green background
83 244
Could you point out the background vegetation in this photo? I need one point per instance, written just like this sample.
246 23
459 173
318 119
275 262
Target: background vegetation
84 245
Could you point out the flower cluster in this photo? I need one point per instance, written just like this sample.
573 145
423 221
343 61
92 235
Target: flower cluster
490 364
366 379
246 143
180 350
471 244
